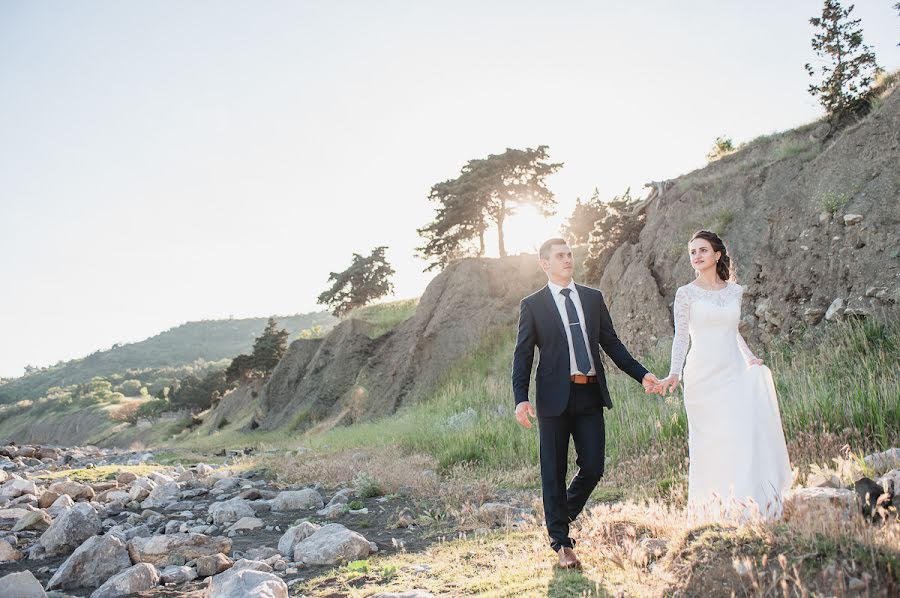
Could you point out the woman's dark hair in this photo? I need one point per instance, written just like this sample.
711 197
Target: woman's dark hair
724 267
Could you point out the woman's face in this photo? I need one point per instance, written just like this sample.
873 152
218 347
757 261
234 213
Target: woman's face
702 255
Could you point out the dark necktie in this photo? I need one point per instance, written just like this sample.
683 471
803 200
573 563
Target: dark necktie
581 354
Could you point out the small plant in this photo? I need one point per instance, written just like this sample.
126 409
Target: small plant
356 505
366 486
388 572
722 147
358 566
834 202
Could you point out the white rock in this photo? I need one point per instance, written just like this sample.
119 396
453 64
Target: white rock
8 552
819 501
230 510
850 219
295 535
138 578
162 495
295 500
70 529
92 563
176 574
22 584
158 549
330 545
247 583
835 310
246 523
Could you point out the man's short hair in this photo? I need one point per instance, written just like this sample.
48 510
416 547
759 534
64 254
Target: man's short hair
544 252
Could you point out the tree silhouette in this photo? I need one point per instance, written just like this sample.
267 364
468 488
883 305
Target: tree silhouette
488 190
615 226
580 224
367 279
846 77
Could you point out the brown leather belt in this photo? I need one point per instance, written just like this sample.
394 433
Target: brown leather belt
579 379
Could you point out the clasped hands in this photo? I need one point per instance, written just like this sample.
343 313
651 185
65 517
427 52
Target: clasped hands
653 385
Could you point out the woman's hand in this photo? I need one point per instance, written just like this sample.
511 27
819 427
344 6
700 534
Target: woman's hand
668 384
755 361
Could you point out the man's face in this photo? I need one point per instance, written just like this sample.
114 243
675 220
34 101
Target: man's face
560 264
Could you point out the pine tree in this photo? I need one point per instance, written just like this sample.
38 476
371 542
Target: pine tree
847 75
367 279
269 347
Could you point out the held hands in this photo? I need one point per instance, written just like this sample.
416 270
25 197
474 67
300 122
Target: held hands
653 385
523 411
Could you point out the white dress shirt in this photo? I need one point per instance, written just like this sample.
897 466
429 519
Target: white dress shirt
564 315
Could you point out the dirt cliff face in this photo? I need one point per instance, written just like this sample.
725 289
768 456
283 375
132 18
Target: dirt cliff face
811 218
348 376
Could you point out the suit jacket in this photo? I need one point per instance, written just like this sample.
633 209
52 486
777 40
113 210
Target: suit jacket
540 326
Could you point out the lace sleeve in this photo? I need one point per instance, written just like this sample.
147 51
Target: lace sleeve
682 311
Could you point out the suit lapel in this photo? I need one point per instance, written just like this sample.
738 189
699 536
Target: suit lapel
554 312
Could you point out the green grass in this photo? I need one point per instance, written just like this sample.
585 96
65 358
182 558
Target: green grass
788 148
99 474
384 317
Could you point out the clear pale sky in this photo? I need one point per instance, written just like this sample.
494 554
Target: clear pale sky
162 162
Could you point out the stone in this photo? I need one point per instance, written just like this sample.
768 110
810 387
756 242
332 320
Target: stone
137 578
213 564
884 460
22 584
813 315
125 477
332 544
295 500
295 535
76 490
247 583
158 549
332 511
47 498
92 563
203 469
877 292
858 312
15 488
9 552
230 510
34 520
177 574
140 489
162 495
261 553
819 501
498 513
245 524
823 480
70 529
851 219
835 310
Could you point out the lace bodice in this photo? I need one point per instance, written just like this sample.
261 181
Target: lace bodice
690 295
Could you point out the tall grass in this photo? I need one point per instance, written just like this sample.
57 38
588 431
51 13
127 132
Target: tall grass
384 317
835 386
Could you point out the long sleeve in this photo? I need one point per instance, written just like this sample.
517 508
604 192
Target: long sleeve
682 313
523 357
745 350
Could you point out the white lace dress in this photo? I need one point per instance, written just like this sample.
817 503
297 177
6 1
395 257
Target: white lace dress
739 467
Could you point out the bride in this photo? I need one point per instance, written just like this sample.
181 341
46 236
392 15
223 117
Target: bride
739 468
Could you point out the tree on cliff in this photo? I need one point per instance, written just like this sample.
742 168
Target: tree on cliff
268 349
487 191
367 279
846 76
578 229
614 226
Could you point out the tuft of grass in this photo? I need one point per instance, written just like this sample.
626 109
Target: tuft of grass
833 201
104 473
788 148
384 317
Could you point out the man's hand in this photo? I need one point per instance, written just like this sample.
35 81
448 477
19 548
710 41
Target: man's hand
651 383
523 410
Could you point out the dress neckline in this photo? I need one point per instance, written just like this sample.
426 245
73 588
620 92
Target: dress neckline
727 284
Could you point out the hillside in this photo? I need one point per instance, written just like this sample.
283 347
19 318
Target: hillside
204 341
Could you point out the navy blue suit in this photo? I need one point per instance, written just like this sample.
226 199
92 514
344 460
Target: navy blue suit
564 408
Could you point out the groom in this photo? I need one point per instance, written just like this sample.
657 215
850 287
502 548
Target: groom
568 323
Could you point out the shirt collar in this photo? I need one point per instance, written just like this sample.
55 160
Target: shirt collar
555 288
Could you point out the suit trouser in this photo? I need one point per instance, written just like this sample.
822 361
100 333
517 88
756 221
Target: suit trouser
583 420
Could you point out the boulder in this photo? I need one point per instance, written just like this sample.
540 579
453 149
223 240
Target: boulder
8 552
138 578
330 545
230 510
817 502
158 549
295 500
92 563
245 524
34 520
294 535
247 583
213 564
70 529
162 495
22 584
76 490
177 574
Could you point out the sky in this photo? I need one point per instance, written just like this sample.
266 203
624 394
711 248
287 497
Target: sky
163 162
